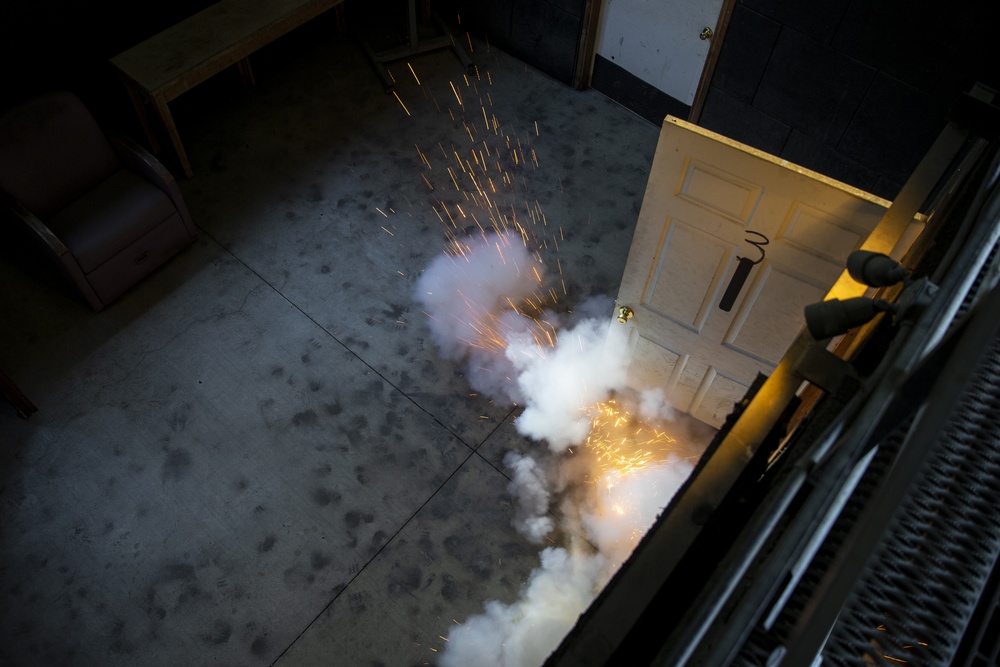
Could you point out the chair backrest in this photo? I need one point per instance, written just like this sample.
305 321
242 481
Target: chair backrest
51 152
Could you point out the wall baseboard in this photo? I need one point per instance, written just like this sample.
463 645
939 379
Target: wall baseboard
635 94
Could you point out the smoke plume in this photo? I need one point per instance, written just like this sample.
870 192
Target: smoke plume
529 486
486 307
478 302
526 632
469 296
558 384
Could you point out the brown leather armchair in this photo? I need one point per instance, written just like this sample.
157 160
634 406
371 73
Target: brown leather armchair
104 209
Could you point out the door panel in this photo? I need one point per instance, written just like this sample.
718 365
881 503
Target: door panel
777 296
717 401
688 260
730 245
718 191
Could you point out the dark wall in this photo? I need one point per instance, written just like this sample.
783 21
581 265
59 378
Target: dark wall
543 33
50 44
854 89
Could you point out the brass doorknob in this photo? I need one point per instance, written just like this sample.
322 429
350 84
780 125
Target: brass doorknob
625 314
706 33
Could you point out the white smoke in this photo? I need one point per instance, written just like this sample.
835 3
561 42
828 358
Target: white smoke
625 506
526 632
469 298
557 366
654 406
529 486
559 384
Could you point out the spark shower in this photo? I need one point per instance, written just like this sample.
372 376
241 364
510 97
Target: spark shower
599 463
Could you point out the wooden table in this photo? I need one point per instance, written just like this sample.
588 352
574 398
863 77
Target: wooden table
176 60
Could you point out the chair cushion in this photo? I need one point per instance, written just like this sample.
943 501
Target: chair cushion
104 221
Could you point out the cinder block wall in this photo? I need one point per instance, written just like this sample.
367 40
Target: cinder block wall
854 89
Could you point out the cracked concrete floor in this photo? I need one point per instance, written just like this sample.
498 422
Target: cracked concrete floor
256 456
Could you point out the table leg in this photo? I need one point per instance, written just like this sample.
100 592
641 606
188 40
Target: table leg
139 102
246 72
168 122
16 397
415 47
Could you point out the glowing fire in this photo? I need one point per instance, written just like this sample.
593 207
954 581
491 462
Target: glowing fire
622 443
628 452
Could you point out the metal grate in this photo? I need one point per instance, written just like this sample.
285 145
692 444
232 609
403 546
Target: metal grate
916 598
981 645
922 584
760 644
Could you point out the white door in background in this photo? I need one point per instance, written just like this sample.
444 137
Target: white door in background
710 205
659 41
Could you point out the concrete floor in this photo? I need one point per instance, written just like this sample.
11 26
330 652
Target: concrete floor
257 456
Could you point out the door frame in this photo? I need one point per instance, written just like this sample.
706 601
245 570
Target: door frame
708 71
586 49
583 71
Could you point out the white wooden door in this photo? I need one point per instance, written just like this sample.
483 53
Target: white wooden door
710 206
659 41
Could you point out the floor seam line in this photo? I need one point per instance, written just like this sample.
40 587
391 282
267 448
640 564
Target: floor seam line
377 554
344 345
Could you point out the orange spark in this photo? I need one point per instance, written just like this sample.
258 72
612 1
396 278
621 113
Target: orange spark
401 103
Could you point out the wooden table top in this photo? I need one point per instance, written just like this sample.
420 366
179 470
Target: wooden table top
182 56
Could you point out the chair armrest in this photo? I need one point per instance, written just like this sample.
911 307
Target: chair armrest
144 163
30 222
140 160
59 254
